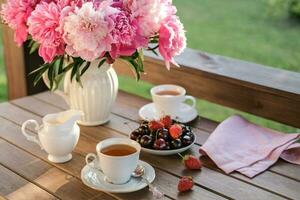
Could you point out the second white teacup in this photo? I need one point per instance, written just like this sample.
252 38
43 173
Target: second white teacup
167 99
117 158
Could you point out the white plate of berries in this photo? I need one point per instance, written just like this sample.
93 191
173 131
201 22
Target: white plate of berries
164 137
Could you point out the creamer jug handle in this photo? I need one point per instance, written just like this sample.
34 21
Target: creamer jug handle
32 137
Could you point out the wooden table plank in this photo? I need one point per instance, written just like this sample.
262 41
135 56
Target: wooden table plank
128 105
77 163
39 108
2 198
123 99
62 185
11 132
126 102
13 186
248 188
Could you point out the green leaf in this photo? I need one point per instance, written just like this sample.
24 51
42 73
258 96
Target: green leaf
61 64
39 75
135 55
57 80
78 78
153 48
101 62
31 42
85 68
140 63
74 70
134 66
141 52
50 75
69 66
37 78
153 51
40 68
34 47
154 41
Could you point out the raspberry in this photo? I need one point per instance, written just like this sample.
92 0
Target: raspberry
175 131
186 183
155 125
167 121
191 162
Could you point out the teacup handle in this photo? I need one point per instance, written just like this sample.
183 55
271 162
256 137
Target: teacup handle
188 97
30 137
94 163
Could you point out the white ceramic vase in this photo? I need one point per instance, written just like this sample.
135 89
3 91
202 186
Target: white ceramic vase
96 96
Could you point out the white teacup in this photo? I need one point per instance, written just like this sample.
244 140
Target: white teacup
117 169
167 99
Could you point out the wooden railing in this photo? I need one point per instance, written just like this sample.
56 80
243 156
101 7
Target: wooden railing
256 89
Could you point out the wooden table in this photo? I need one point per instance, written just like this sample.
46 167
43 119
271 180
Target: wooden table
25 172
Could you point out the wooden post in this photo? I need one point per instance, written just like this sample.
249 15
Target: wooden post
19 63
14 64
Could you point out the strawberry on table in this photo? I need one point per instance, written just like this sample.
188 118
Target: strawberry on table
175 131
186 183
192 162
167 121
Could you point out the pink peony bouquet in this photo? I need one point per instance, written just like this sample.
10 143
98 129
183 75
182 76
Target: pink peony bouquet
87 30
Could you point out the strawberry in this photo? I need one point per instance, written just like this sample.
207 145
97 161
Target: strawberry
155 125
175 131
185 184
192 162
167 121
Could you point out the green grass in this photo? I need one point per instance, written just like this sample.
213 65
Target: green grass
242 29
3 85
234 28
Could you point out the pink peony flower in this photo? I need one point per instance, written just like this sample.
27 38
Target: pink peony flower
150 13
48 53
86 31
43 25
172 39
126 34
15 13
72 3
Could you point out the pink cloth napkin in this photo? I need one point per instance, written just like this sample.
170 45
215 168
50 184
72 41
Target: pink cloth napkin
238 145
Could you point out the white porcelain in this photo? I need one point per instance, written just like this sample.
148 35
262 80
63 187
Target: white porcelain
96 97
95 179
58 135
117 169
186 113
168 104
168 152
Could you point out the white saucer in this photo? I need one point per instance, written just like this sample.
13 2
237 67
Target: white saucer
95 179
186 113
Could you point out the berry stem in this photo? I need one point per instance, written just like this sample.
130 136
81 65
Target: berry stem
181 155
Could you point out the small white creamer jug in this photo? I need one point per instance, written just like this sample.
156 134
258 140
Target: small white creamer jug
58 135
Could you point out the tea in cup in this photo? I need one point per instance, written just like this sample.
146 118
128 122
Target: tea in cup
117 158
167 99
